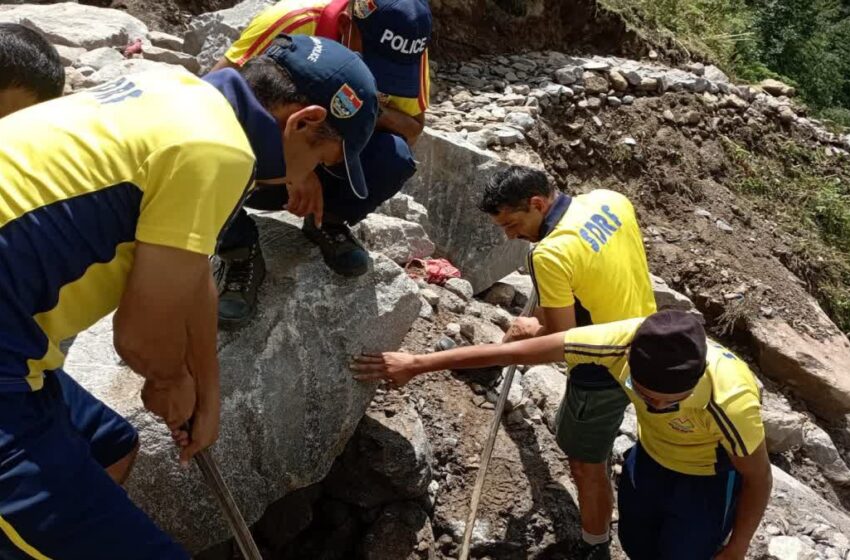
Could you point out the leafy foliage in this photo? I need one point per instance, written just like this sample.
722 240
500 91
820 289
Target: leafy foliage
803 42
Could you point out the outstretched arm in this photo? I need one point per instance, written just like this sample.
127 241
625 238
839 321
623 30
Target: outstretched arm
399 367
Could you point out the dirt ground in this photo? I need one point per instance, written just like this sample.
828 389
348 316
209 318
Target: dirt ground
679 175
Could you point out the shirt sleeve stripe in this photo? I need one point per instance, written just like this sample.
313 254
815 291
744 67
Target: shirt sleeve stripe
423 82
598 346
278 27
722 428
727 427
567 350
731 427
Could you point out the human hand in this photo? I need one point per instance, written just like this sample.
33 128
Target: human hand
305 197
199 434
173 400
397 368
522 328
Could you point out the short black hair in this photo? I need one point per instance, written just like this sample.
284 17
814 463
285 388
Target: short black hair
271 83
29 61
512 188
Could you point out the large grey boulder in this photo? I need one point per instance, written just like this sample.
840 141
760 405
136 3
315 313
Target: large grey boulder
816 369
289 404
210 34
77 25
451 178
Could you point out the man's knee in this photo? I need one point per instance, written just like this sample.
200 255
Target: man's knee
588 473
119 471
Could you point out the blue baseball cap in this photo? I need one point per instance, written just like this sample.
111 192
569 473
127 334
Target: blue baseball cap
395 34
332 76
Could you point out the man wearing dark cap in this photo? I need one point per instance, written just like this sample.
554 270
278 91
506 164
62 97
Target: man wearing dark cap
392 36
113 199
699 472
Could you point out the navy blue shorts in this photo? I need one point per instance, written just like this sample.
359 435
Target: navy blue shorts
56 500
667 515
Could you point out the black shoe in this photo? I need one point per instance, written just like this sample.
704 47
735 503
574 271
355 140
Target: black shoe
341 251
595 551
244 271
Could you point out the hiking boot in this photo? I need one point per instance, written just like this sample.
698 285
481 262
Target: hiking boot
340 250
243 271
595 551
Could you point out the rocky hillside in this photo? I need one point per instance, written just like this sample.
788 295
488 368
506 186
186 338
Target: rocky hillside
742 200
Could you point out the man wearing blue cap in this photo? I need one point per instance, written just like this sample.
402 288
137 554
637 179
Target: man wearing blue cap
392 36
123 217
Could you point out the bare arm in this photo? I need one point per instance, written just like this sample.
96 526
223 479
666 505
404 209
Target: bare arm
223 63
400 368
546 320
398 122
756 483
202 361
151 326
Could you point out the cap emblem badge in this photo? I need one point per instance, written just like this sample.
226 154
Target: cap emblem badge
345 103
364 8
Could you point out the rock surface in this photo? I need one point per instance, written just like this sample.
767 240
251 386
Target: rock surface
389 459
668 298
289 404
125 68
76 25
545 386
817 370
211 34
402 532
398 239
449 183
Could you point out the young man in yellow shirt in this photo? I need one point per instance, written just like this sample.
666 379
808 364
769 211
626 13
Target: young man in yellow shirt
588 267
112 199
392 36
700 469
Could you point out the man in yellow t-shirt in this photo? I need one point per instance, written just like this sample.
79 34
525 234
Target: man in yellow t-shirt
588 267
113 199
392 36
700 469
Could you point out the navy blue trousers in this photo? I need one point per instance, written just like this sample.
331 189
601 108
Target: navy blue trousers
667 515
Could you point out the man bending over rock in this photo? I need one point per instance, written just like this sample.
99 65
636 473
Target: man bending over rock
393 36
588 267
114 198
700 469
30 69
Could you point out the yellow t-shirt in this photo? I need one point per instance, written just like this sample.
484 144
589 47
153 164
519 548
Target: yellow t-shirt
155 157
301 17
593 258
724 410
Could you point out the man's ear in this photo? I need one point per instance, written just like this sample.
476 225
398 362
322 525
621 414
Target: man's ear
309 116
538 203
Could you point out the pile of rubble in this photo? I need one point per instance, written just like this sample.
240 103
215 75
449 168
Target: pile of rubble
496 100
